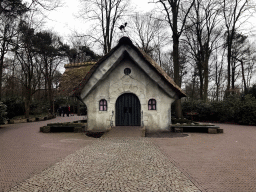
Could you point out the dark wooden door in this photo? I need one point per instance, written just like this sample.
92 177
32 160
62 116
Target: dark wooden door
127 110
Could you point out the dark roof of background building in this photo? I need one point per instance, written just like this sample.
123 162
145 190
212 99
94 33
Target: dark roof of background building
73 75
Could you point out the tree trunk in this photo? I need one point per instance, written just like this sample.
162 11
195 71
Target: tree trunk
229 64
1 72
50 94
1 78
27 108
201 79
27 101
206 80
233 78
178 109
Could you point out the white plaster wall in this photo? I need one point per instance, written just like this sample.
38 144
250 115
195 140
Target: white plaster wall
138 83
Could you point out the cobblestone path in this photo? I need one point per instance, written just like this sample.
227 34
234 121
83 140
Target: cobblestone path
112 164
124 131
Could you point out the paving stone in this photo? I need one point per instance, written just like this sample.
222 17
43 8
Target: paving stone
35 161
218 162
110 158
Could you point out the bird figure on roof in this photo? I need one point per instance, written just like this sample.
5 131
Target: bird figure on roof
122 27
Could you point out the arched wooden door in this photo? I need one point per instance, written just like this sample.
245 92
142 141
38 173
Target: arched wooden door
128 110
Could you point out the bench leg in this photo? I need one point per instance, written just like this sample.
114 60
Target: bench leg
178 130
212 131
220 130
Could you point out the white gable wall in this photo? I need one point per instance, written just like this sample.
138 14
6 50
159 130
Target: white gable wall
116 83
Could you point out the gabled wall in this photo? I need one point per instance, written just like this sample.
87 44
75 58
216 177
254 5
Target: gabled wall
116 83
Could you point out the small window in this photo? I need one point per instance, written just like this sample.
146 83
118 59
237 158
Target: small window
127 71
152 104
103 105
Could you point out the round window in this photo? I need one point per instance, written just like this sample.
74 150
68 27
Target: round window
127 71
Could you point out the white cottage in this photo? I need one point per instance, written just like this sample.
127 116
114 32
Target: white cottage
127 88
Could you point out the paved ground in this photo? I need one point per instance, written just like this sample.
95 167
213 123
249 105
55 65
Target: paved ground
124 131
25 151
112 164
218 162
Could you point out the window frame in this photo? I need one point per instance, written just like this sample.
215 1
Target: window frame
127 71
152 104
103 105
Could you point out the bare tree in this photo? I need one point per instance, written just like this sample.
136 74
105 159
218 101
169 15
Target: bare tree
234 13
25 55
204 29
48 47
242 56
176 12
250 67
218 70
105 14
9 12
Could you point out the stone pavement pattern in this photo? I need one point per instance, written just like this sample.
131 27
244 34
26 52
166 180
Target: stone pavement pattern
24 151
124 131
112 164
217 162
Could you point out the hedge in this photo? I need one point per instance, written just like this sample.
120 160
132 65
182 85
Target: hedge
234 109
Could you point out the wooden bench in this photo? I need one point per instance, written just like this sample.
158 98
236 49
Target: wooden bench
212 129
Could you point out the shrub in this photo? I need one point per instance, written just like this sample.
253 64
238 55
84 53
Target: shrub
3 113
231 109
252 90
15 107
247 112
39 107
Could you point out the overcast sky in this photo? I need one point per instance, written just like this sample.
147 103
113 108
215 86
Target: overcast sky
63 20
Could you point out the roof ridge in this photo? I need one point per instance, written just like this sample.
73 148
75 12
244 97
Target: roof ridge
126 41
71 65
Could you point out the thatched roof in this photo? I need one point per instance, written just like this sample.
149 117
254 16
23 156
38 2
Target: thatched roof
73 75
126 41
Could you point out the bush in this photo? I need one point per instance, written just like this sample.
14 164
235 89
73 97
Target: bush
252 90
247 112
3 113
231 109
39 107
15 107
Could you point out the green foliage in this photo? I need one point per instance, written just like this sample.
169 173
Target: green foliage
3 113
79 54
39 107
252 91
181 121
15 107
231 109
12 8
247 112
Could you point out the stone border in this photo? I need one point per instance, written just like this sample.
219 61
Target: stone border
14 121
212 129
77 127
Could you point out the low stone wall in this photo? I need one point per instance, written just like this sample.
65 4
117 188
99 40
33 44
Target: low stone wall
64 127
13 121
212 129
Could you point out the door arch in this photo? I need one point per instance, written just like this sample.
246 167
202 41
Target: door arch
128 110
